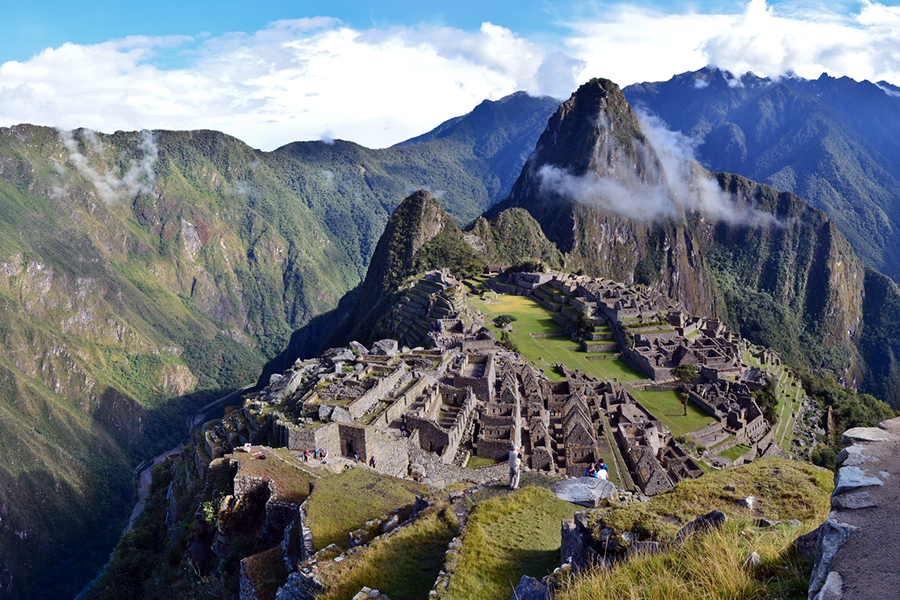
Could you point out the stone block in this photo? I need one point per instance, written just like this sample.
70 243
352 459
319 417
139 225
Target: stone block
711 520
385 347
530 588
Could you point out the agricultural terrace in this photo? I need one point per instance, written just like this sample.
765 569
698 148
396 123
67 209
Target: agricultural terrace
545 352
339 504
507 537
667 407
790 396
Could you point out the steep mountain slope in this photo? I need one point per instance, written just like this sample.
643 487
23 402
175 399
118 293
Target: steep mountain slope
143 274
621 203
831 141
420 236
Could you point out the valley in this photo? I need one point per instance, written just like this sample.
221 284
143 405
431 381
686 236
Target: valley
145 274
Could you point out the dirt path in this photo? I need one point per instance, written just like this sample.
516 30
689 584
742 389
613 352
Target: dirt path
867 563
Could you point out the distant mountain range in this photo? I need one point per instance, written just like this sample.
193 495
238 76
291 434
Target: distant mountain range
143 274
833 142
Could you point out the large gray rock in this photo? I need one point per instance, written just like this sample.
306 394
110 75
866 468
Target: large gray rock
832 537
867 434
530 588
833 588
853 501
325 411
357 347
385 348
711 520
584 491
849 478
341 415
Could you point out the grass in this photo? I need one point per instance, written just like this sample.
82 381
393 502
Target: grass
735 451
546 352
266 571
403 566
783 490
687 573
666 406
291 482
477 461
507 537
341 503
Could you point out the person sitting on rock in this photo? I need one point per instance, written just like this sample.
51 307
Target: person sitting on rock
590 471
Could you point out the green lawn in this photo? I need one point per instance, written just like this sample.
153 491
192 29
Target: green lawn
341 503
544 353
735 451
667 407
403 566
507 537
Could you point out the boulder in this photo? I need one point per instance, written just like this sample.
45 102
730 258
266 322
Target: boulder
341 415
325 411
385 348
853 501
711 520
584 491
752 561
849 478
832 536
530 588
747 502
391 523
357 347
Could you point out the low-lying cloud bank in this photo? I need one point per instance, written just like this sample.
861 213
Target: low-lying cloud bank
684 188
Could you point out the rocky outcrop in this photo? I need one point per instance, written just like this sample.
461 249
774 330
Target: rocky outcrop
856 551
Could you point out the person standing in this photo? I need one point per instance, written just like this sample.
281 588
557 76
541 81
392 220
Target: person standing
515 465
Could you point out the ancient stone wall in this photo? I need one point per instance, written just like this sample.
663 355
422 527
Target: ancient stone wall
379 392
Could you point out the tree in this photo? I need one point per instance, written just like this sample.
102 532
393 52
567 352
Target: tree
686 373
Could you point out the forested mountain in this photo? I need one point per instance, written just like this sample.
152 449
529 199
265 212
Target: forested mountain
143 274
622 202
833 142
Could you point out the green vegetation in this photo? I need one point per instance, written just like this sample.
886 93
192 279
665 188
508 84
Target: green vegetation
783 489
341 503
507 537
735 451
667 406
710 565
848 409
402 566
546 352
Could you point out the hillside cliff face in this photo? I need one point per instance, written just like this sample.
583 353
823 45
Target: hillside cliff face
143 274
832 141
622 203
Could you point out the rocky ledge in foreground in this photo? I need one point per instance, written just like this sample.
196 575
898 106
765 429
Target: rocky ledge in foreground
857 552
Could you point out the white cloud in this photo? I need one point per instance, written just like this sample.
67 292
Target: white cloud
290 81
630 44
298 78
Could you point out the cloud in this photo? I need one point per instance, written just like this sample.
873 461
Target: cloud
630 44
286 82
295 78
684 188
137 179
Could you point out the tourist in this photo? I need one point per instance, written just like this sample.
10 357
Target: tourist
590 471
601 466
515 465
355 456
372 462
602 474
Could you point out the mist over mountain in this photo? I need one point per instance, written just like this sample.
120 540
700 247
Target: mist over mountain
623 199
833 141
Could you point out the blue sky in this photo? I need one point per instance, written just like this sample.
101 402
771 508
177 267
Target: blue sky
380 72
